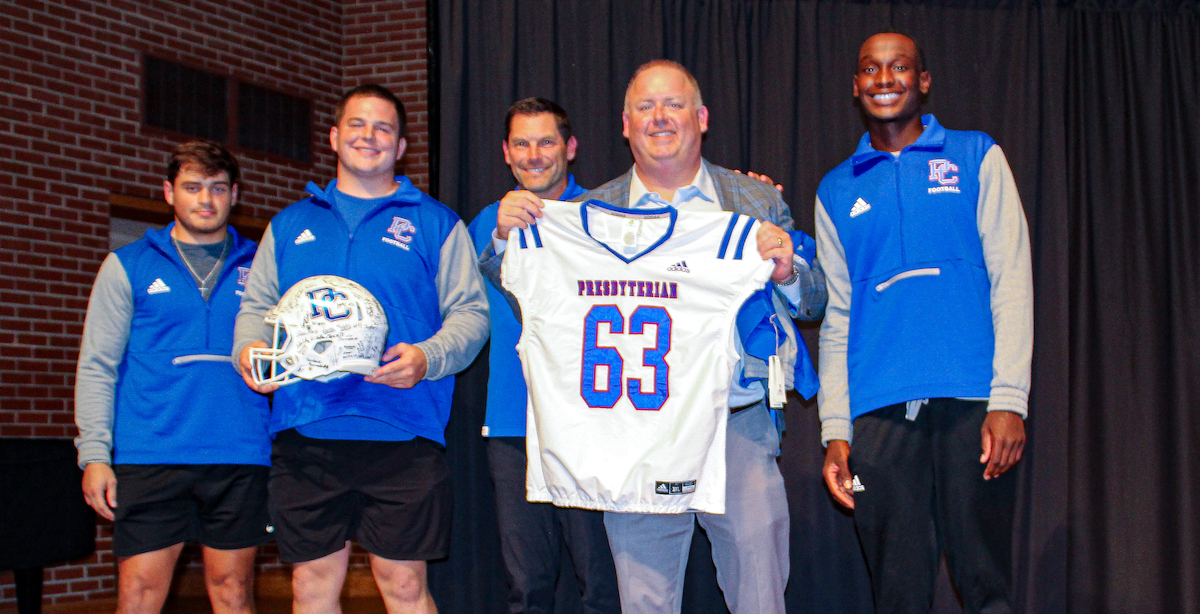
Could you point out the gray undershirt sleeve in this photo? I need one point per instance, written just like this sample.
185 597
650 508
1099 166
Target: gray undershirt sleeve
833 398
105 335
464 307
1006 252
260 295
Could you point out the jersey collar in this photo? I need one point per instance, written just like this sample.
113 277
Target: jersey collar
644 212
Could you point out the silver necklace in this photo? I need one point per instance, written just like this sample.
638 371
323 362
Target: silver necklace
203 281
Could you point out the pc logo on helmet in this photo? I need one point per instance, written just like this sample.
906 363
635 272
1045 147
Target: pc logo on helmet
326 327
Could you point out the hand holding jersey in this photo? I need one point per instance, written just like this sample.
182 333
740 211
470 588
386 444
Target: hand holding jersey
520 208
594 281
664 118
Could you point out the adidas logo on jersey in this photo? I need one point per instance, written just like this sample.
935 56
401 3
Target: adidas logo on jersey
305 237
675 488
856 486
158 287
679 266
860 207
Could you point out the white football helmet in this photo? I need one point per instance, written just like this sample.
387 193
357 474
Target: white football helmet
325 328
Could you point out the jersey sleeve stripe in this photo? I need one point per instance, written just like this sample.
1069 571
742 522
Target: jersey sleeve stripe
523 244
733 220
537 238
742 242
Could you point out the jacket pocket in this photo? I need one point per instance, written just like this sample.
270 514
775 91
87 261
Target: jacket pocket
905 275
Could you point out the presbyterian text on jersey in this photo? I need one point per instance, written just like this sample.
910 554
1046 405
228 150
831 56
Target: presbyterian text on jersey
605 287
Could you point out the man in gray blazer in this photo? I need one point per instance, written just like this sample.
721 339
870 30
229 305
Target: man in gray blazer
664 119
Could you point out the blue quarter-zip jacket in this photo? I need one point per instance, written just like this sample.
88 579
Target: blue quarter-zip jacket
393 253
921 318
506 393
177 401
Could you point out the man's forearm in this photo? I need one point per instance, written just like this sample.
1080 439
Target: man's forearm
1004 235
260 295
105 335
463 305
833 399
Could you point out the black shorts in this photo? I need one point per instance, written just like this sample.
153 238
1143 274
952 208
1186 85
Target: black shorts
220 506
392 496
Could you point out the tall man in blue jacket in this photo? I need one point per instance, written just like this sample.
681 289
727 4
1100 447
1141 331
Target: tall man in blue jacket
538 146
362 457
664 119
167 463
927 341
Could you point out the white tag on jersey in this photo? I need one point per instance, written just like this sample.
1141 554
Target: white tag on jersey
776 389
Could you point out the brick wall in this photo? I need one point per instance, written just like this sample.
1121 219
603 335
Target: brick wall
71 135
384 43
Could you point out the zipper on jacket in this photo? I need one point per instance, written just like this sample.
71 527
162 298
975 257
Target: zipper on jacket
182 360
900 205
905 275
208 320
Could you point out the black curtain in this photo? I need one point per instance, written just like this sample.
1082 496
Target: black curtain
1133 92
1096 108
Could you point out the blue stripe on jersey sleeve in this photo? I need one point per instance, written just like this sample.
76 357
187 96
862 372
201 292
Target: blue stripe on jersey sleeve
733 220
523 245
742 242
537 238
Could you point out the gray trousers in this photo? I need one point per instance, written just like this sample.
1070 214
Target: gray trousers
749 541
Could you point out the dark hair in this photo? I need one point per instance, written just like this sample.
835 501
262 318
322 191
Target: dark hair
212 158
377 91
537 106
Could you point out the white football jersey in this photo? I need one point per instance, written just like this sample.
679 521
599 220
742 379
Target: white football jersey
628 350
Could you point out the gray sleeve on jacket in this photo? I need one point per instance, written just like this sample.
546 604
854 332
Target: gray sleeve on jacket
833 399
1005 237
105 335
260 295
491 264
463 302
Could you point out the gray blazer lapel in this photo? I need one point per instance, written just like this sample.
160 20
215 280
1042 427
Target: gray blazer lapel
726 193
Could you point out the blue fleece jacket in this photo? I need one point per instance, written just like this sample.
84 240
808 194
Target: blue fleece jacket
394 253
934 247
177 349
506 394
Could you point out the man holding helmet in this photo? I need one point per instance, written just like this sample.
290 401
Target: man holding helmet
353 459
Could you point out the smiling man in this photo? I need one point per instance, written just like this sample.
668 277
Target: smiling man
166 464
927 342
538 147
664 118
362 457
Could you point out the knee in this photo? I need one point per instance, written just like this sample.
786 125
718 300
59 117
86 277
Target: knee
138 585
138 592
310 587
230 590
403 584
